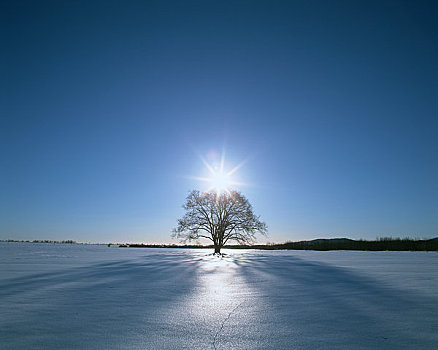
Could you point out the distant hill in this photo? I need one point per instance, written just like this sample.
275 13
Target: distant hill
395 244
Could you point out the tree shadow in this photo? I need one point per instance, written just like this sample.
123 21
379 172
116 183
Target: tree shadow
104 305
307 304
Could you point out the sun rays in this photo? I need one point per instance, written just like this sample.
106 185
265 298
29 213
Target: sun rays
218 178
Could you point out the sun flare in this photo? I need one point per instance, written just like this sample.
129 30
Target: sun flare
218 178
220 181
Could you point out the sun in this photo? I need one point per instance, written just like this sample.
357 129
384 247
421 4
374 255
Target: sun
220 181
218 178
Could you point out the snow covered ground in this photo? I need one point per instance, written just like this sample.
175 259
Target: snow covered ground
95 297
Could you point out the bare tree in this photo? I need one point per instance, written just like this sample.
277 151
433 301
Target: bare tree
219 217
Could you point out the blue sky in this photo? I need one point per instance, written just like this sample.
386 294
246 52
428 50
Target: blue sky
106 107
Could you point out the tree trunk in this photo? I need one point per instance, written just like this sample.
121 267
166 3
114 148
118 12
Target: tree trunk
217 249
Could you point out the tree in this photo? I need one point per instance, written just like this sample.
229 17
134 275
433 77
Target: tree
219 217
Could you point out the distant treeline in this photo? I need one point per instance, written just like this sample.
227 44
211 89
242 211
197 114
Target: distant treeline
386 243
188 246
69 241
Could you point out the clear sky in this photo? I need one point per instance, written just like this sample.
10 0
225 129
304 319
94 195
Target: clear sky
107 107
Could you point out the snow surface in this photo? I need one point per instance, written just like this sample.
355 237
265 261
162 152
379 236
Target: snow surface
55 296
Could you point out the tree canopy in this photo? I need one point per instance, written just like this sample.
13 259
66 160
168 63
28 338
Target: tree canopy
219 217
